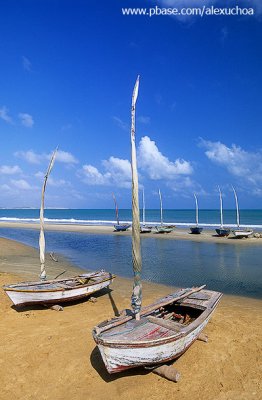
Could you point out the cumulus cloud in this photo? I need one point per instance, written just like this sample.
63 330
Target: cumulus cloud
117 172
4 115
10 170
240 163
158 166
34 158
26 120
21 184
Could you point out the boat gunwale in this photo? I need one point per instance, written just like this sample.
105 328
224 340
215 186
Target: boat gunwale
6 288
208 311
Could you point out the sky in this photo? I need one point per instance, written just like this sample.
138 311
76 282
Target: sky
68 68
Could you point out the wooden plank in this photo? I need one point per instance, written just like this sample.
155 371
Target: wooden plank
171 325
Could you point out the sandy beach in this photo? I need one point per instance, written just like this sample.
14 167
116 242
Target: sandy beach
46 354
208 235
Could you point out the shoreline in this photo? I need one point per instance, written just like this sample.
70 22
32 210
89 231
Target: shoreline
207 236
43 347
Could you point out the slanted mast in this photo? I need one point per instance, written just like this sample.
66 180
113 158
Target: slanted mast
136 299
41 217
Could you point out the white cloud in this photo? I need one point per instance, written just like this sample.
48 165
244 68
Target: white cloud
117 173
34 158
26 120
240 163
121 124
65 157
156 165
51 181
21 184
8 170
4 115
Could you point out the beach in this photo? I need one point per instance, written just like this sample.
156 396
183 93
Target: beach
46 354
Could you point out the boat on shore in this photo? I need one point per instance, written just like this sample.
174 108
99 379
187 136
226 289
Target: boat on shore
222 231
162 331
240 233
56 290
119 227
162 228
196 230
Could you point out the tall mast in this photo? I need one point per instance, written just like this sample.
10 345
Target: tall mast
221 207
41 217
196 209
237 209
116 208
143 199
161 207
136 299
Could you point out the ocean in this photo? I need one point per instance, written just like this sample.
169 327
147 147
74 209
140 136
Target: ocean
229 268
208 218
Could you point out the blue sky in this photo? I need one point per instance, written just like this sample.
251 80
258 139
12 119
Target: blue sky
67 73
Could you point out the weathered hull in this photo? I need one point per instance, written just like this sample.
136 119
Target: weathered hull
222 232
242 234
121 228
117 359
154 340
26 297
196 230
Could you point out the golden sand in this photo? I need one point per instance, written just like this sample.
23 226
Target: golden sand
50 355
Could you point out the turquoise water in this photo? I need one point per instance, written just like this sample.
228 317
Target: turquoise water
251 218
230 268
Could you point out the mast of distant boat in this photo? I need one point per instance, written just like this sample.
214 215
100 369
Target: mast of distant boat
237 208
196 209
116 208
161 207
221 208
41 217
144 213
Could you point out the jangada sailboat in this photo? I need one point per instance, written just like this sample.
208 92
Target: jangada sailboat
144 228
240 233
162 228
56 290
222 231
119 227
162 331
196 229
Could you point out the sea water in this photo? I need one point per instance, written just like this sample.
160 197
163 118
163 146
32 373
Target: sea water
229 268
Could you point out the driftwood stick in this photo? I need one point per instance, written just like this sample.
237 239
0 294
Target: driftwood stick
168 372
52 256
203 337
61 273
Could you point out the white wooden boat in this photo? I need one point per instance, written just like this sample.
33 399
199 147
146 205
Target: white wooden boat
58 291
239 232
222 231
165 331
196 230
119 227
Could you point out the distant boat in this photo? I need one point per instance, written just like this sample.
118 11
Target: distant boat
144 228
119 227
196 230
240 233
222 231
162 331
162 228
56 290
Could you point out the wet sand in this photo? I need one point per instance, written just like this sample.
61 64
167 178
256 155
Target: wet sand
50 355
208 235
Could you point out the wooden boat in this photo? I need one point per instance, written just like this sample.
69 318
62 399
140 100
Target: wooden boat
222 231
54 291
165 331
239 232
161 331
119 227
144 228
196 230
58 291
162 228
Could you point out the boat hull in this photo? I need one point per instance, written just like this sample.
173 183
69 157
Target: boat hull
152 340
121 228
28 297
196 230
242 233
223 232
